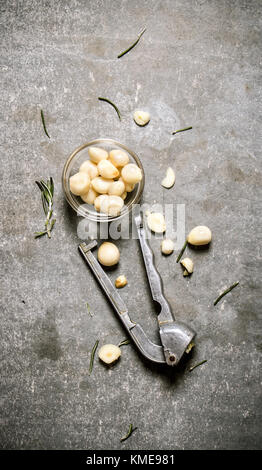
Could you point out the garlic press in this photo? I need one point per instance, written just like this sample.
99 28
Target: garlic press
176 337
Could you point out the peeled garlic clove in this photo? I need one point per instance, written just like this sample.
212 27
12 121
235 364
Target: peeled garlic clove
131 173
101 185
97 154
108 254
89 198
90 168
115 204
169 179
119 158
107 170
123 196
167 246
116 188
101 203
156 222
128 186
141 117
200 235
121 281
79 183
188 264
109 353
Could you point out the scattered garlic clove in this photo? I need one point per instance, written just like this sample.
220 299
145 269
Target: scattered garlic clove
90 168
156 222
121 281
131 173
117 188
89 198
169 179
141 118
109 353
108 254
200 235
79 183
188 264
101 185
119 158
97 154
167 246
107 170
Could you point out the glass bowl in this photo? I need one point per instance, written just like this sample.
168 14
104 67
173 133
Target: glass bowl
72 165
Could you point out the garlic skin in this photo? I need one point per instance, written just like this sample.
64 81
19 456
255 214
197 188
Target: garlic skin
108 254
200 235
131 173
90 168
109 353
89 198
169 179
97 154
156 222
101 185
167 246
117 188
141 118
79 183
188 264
118 157
107 170
121 281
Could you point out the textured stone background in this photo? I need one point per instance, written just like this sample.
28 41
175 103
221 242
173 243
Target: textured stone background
197 64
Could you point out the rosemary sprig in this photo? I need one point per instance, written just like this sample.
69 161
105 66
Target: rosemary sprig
196 365
226 292
89 309
130 431
112 104
47 196
133 45
181 252
124 342
182 130
43 121
92 356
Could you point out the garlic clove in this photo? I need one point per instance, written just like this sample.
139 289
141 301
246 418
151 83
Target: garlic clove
141 118
108 254
115 204
131 173
167 246
119 158
107 170
109 353
200 235
188 264
89 198
101 201
169 179
79 183
123 196
121 281
117 188
156 222
101 185
97 154
90 168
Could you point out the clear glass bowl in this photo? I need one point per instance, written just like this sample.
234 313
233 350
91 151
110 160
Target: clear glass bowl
77 157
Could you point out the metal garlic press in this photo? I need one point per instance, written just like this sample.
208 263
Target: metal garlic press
176 337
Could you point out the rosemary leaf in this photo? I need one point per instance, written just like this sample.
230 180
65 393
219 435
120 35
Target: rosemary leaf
44 126
133 45
47 193
130 431
182 130
226 292
196 365
124 342
40 234
181 252
112 104
92 356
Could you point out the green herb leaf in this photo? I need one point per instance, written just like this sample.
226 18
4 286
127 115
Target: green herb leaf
130 431
196 365
133 45
182 130
44 126
181 252
89 310
92 357
124 342
226 292
47 193
112 104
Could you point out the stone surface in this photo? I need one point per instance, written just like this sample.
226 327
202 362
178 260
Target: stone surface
197 64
